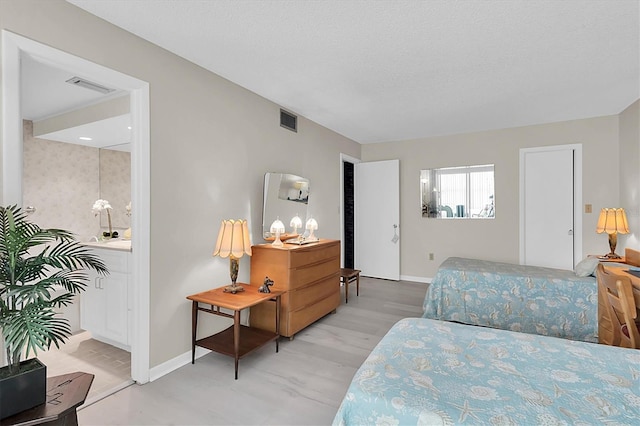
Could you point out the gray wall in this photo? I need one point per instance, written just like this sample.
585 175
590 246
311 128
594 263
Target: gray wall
498 239
211 143
630 171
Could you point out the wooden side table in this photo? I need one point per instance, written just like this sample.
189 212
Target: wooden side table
237 340
608 259
346 277
65 394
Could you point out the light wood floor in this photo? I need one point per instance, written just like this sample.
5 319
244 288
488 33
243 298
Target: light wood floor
303 384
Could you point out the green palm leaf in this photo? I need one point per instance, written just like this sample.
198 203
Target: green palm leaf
35 264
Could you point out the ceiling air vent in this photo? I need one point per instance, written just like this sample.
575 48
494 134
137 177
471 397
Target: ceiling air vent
288 121
77 81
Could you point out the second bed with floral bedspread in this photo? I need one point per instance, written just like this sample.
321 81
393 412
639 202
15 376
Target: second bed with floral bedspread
529 299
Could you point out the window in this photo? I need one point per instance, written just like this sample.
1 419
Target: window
458 192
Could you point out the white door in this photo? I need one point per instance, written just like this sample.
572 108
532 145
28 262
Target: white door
377 219
547 209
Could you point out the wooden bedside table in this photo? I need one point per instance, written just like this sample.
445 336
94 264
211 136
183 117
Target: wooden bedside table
237 340
608 259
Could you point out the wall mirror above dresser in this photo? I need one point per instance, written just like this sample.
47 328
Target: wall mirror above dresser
285 196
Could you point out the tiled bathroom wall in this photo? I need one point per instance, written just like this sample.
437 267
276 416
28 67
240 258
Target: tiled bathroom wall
62 181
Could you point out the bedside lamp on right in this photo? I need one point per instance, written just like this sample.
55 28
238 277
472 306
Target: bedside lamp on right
613 222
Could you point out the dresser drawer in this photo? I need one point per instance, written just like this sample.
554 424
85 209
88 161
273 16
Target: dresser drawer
302 276
304 296
301 318
314 254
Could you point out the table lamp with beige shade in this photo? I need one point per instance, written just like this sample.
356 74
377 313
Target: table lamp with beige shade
612 221
233 242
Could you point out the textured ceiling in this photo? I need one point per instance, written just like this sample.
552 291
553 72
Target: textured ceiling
393 70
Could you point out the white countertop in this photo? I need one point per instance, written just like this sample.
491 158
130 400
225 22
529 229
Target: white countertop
115 244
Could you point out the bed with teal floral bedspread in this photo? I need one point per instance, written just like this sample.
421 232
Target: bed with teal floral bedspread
529 299
430 372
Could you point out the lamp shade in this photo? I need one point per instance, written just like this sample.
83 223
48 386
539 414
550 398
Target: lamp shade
312 224
277 226
233 239
612 221
296 222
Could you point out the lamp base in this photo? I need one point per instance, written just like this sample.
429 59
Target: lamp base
613 242
234 264
611 256
233 288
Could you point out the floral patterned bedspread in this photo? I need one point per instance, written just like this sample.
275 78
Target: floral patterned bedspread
529 299
429 372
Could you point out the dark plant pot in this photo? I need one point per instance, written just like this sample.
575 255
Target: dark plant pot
24 390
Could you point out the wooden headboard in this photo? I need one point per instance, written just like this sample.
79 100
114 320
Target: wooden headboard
632 257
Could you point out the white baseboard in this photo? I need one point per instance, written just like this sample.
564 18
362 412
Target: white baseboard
425 280
175 363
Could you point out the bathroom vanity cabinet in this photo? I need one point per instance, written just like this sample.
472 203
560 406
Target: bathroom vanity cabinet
105 305
308 276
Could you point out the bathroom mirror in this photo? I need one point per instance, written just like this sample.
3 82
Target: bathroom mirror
465 192
115 183
285 196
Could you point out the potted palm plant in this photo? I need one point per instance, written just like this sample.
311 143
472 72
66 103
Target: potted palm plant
33 263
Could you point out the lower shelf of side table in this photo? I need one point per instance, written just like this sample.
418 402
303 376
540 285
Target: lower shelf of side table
250 339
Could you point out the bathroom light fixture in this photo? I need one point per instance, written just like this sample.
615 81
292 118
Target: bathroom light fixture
613 222
85 138
277 227
77 81
233 242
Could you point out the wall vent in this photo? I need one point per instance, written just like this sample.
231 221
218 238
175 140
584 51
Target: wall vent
288 121
77 81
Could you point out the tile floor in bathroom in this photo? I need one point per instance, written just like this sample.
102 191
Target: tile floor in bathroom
110 365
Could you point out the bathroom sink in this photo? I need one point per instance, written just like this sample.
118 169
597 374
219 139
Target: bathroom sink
114 244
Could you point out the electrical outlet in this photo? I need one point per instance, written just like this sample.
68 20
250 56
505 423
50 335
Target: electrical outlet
430 256
587 208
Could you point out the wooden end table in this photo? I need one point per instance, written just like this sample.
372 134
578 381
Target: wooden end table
605 259
347 276
65 394
237 340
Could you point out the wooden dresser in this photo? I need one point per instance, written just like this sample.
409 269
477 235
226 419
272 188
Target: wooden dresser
309 276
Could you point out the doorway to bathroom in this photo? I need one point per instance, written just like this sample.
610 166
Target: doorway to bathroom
15 49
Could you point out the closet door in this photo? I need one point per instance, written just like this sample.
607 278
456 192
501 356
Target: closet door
547 208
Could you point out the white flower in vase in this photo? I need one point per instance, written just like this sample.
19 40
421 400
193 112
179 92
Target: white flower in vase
98 207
